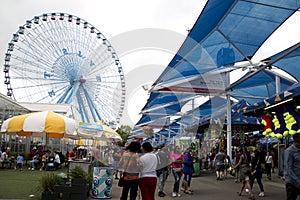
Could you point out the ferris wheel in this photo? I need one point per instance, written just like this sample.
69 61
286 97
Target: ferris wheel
61 58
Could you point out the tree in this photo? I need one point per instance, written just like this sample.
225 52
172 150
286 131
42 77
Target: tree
124 131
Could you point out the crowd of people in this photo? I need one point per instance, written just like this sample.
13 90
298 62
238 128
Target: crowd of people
36 159
249 164
146 168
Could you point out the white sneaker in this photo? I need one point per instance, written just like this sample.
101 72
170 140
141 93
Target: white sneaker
246 190
178 195
32 168
261 194
173 194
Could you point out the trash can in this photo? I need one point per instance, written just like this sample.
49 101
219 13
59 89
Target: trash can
197 169
102 182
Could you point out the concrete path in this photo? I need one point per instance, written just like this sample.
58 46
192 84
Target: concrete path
206 187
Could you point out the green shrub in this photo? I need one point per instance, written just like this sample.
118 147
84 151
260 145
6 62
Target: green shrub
78 172
48 182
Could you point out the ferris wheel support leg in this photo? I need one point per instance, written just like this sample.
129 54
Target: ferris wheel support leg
72 93
92 106
82 109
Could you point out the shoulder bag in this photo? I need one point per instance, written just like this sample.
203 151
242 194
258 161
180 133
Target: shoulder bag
121 180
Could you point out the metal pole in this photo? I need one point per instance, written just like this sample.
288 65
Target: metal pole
229 136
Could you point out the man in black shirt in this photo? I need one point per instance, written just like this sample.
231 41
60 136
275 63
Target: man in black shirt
219 162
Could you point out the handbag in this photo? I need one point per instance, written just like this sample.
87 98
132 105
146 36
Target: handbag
121 180
177 170
232 171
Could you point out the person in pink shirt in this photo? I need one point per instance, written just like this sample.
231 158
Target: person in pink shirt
176 158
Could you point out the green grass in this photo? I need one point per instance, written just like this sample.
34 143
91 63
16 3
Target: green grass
21 184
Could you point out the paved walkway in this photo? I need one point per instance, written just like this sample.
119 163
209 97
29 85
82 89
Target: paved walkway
206 187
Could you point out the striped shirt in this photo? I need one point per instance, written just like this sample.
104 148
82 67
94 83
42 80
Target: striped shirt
129 164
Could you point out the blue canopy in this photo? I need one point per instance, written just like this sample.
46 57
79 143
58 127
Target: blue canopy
237 118
210 106
268 141
289 93
262 85
154 121
167 133
166 103
226 33
290 62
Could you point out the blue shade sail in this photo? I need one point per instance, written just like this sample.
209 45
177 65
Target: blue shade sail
288 94
237 115
154 121
159 100
227 32
289 61
262 85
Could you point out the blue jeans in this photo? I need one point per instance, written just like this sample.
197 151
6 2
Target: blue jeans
162 177
6 162
177 177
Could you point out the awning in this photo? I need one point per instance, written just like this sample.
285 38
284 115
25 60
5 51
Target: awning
154 121
171 101
284 96
224 39
237 118
226 32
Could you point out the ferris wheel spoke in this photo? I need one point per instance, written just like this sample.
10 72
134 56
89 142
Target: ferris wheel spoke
49 47
31 56
44 43
34 84
34 53
39 76
30 66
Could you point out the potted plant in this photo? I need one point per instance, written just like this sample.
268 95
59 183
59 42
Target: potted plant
47 184
80 179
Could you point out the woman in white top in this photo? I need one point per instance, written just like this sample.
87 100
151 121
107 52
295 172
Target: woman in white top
269 164
148 178
57 160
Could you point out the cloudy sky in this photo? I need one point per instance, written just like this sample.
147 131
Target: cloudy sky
163 23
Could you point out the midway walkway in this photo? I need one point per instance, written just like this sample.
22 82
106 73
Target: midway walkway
206 187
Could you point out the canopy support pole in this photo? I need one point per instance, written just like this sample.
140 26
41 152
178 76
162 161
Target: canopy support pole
278 87
228 117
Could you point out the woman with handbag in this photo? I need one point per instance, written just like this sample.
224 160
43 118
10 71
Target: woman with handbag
176 166
129 164
244 164
256 171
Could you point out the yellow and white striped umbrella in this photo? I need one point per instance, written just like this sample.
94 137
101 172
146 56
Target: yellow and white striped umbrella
97 131
46 123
